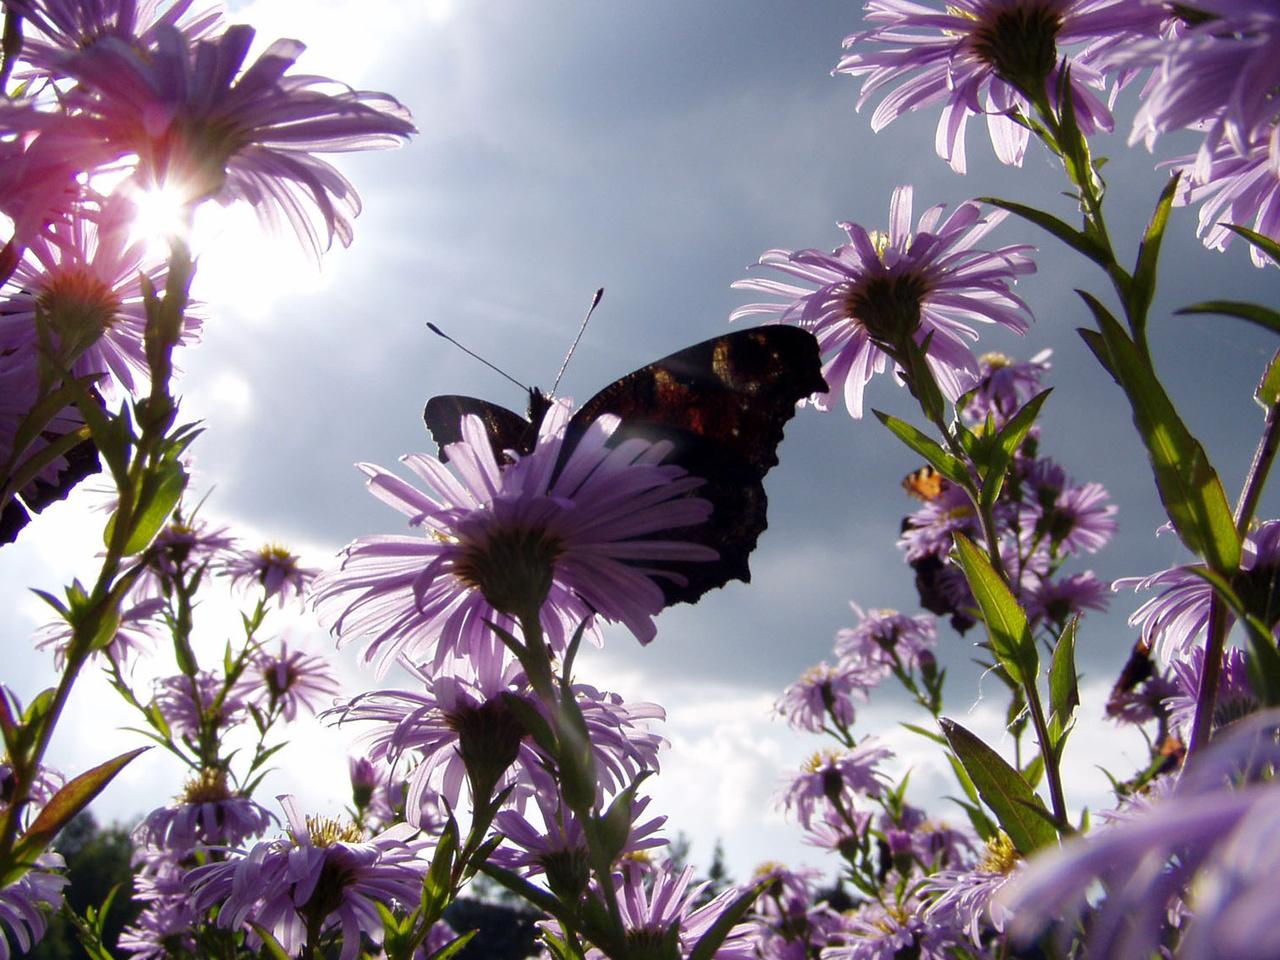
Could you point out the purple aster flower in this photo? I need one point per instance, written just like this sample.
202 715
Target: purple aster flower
1071 517
825 690
866 297
201 126
886 931
181 547
557 848
1206 844
85 277
186 702
573 541
931 530
288 679
967 899
1173 619
1004 385
1241 189
207 814
1057 600
885 638
279 572
321 873
164 929
985 57
23 903
835 778
1235 697
135 636
1218 74
658 903
44 785
65 27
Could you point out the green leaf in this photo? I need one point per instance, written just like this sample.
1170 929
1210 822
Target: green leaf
74 796
1263 243
437 885
927 734
919 441
157 505
1264 659
1098 347
1268 392
1075 239
453 946
1007 628
1264 317
710 941
523 888
1142 290
1064 691
1007 443
1002 788
36 464
615 825
1033 772
1189 486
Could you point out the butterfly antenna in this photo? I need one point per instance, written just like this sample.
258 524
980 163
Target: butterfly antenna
471 353
595 302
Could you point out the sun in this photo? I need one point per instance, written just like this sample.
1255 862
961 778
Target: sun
161 214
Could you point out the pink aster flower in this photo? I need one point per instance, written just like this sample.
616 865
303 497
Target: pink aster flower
288 679
984 58
25 902
85 276
201 125
833 778
272 567
573 541
320 873
885 638
873 292
1004 386
58 29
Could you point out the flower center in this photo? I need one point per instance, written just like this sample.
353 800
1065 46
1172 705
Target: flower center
78 307
326 831
888 307
1020 44
207 786
1001 856
513 568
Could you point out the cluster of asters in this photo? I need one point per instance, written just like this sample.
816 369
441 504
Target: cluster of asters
119 102
1207 66
25 902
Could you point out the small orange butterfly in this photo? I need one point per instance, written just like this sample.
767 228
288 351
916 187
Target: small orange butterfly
924 484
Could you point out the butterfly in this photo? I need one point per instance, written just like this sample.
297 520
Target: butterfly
722 404
924 484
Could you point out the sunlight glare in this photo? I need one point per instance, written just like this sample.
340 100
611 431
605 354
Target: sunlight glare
161 213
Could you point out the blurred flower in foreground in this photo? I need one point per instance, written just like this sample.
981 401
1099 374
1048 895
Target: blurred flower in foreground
505 541
877 290
1215 840
984 58
25 902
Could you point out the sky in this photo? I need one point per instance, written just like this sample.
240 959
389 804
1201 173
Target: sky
656 150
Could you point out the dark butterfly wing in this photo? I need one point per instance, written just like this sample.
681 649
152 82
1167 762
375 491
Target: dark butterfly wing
507 430
723 404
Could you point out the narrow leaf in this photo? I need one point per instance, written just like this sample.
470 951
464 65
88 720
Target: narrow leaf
1007 628
1002 788
74 796
1064 692
927 447
269 943
1068 234
710 941
1007 443
1189 486
1264 317
523 888
1144 272
156 508
453 946
1263 243
1098 347
1268 392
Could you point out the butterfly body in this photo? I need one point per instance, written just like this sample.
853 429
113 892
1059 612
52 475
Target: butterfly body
722 404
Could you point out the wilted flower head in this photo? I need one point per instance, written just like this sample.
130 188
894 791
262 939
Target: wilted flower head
321 873
865 299
275 569
986 58
504 541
